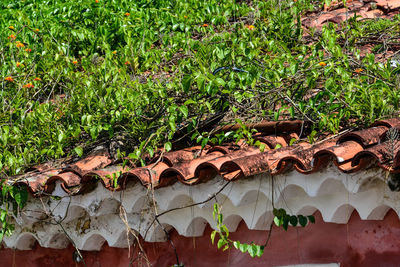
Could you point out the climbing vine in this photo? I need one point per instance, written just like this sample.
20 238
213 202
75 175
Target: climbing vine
281 218
13 199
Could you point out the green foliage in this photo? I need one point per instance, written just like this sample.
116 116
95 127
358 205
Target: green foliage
225 242
283 219
13 199
75 74
78 73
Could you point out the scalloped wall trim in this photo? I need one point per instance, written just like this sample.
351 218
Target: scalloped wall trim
90 220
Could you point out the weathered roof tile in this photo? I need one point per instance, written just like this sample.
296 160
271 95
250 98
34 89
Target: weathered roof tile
350 152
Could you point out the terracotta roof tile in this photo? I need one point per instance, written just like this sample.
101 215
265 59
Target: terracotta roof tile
390 123
185 171
210 168
245 166
273 141
68 179
388 5
342 154
381 153
187 154
302 158
365 137
337 13
145 175
350 152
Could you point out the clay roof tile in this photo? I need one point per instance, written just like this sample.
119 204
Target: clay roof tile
350 153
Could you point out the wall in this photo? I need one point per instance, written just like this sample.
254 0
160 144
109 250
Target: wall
358 243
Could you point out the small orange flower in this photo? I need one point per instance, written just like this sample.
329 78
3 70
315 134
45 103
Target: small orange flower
19 64
127 63
75 62
29 85
250 27
12 37
205 25
358 70
37 30
9 79
37 79
127 14
114 52
185 17
11 27
19 44
322 64
97 1
28 50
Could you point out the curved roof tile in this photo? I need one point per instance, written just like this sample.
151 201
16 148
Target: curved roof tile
350 153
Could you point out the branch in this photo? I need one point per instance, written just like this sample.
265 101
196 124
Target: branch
184 207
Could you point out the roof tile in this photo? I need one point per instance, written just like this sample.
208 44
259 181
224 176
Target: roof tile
341 154
364 137
350 152
381 153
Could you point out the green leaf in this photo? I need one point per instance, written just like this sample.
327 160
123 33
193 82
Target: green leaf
276 115
243 247
93 133
151 151
311 218
3 215
277 221
293 220
213 233
189 102
236 244
285 223
221 242
220 82
216 208
60 137
294 67
252 250
204 142
220 218
262 147
291 112
292 141
79 151
172 125
302 220
184 110
276 212
168 146
208 106
21 196
278 146
5 190
225 230
281 212
186 83
260 251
